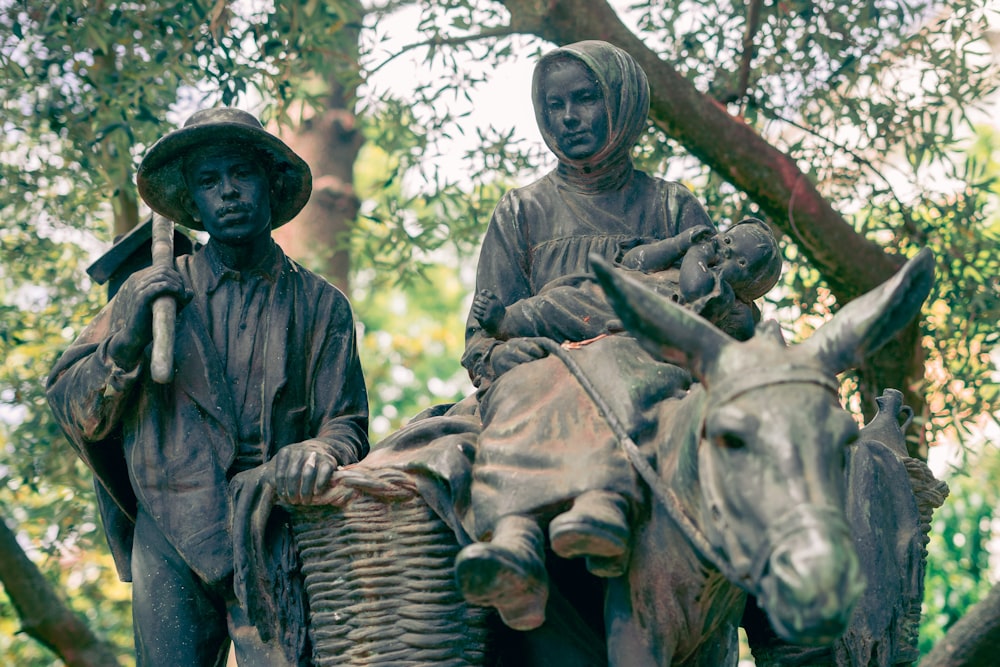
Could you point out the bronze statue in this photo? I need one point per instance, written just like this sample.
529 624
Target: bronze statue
591 102
700 477
718 275
748 521
266 370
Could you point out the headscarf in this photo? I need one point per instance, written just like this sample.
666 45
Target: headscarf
626 97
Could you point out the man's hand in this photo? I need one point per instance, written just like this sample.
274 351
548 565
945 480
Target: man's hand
132 312
516 351
302 471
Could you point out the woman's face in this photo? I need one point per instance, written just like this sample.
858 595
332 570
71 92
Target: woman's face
575 113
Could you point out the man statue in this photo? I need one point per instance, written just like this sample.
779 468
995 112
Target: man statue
266 367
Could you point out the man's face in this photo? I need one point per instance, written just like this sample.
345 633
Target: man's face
575 113
230 193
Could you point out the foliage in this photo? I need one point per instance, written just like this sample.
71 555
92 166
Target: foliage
875 99
85 87
409 290
960 330
400 234
46 494
962 551
413 339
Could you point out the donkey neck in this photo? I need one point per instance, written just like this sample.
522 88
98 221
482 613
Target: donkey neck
681 423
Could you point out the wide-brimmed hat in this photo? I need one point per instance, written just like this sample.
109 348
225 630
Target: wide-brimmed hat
161 179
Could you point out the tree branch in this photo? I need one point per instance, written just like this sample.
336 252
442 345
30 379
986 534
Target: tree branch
908 223
753 24
849 263
974 640
438 40
43 615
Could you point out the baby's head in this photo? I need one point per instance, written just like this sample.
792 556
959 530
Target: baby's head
749 258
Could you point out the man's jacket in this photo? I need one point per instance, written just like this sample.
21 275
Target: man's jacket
167 448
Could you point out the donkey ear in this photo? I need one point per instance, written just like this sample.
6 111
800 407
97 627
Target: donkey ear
870 321
665 329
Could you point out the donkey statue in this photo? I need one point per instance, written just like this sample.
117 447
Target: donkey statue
750 473
745 474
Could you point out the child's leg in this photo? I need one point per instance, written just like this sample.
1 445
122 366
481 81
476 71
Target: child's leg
508 573
596 527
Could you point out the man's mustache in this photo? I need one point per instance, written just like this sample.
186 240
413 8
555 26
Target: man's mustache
239 207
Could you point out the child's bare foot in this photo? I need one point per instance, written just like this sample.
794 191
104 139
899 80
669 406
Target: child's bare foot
488 310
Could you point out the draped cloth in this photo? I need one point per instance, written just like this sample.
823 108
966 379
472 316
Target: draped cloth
599 205
626 95
543 441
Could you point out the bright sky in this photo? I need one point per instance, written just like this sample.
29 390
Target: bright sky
503 103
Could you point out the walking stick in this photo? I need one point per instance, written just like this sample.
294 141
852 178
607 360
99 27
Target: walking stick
164 308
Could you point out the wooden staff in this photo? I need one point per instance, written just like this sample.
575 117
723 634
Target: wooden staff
164 308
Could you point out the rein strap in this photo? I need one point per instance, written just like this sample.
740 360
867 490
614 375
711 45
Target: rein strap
665 494
772 375
782 374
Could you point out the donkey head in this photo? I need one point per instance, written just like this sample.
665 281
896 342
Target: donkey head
772 442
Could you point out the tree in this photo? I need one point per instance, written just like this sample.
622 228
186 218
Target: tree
45 618
816 81
958 574
836 121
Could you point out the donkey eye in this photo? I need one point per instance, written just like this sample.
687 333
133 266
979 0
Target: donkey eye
730 441
728 427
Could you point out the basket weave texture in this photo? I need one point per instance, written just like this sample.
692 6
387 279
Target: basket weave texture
379 574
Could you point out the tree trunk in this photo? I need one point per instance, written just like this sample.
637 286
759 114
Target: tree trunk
43 615
974 641
849 263
329 142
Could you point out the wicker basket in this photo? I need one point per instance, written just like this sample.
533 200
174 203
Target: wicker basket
378 566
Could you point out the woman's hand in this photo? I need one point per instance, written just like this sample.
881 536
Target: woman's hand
699 233
516 351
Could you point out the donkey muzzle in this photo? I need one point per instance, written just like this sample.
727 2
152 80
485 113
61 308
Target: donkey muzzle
811 579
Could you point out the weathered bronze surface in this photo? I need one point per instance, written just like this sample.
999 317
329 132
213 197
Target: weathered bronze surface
757 492
265 369
630 483
643 468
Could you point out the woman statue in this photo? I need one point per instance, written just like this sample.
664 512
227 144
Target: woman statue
545 457
591 102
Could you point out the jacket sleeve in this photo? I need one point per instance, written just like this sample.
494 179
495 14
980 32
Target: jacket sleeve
339 399
87 391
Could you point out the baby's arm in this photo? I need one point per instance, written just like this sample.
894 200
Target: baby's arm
697 279
489 311
660 255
